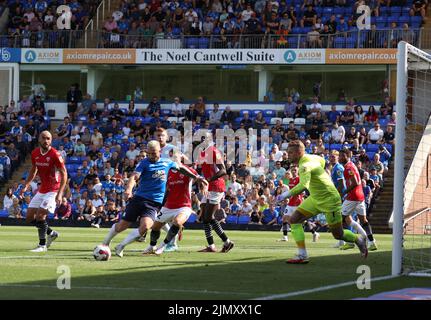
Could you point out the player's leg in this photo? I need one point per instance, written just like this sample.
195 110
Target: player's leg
155 233
131 214
173 245
296 221
362 214
180 217
313 229
146 224
207 217
335 224
348 208
215 199
45 203
285 227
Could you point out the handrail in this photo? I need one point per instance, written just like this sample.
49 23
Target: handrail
416 215
352 39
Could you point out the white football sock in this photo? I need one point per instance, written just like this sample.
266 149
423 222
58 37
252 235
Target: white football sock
131 237
302 252
111 234
166 227
358 228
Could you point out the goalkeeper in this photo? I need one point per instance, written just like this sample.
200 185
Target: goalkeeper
324 198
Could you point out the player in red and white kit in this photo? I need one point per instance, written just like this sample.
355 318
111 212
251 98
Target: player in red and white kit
49 165
355 199
292 203
176 210
213 169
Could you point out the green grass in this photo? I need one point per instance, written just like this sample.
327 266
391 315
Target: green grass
254 268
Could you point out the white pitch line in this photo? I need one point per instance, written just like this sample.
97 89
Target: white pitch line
7 285
319 289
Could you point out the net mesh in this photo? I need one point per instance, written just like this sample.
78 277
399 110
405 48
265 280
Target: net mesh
417 186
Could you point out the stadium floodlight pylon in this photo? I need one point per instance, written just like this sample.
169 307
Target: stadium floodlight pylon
411 217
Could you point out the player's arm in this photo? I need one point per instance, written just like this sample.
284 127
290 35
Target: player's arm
63 182
30 178
134 176
339 185
187 172
220 173
304 183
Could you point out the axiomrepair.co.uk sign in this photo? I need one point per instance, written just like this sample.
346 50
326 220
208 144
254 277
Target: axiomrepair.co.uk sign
202 56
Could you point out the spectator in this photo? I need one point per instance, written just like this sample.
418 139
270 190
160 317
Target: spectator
375 135
153 106
177 108
389 135
338 133
215 115
289 107
64 211
371 115
347 116
269 215
359 116
14 210
228 116
74 97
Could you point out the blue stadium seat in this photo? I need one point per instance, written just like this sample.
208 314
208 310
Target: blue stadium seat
381 22
403 19
204 43
372 147
166 112
416 21
396 11
296 30
22 121
339 11
339 42
82 118
243 220
405 11
383 122
392 19
250 113
73 160
269 113
192 218
192 43
370 155
388 146
255 112
328 11
4 214
351 42
384 11
232 219
336 146
293 42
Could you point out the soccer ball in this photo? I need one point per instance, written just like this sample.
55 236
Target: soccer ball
102 253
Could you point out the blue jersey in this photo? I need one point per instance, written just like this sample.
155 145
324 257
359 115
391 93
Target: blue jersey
153 178
337 174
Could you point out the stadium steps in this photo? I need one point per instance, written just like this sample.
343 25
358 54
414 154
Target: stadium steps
382 208
16 177
92 40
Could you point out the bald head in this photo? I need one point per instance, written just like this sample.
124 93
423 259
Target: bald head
45 140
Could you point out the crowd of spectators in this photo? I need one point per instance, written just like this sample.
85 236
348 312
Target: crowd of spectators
102 146
31 19
325 23
227 19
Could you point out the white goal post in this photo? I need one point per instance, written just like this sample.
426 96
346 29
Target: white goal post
411 218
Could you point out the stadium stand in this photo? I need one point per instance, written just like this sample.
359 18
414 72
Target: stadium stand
102 146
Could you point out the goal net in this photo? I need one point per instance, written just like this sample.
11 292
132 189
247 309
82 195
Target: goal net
411 219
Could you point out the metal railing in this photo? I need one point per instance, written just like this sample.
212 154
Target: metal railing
99 39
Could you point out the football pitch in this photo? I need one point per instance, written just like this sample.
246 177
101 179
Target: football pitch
255 268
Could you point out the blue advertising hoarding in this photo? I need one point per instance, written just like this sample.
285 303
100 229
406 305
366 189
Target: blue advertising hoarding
10 55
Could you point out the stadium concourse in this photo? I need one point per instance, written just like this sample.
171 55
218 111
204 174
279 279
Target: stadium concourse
102 145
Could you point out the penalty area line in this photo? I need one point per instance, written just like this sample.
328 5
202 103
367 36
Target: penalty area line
318 289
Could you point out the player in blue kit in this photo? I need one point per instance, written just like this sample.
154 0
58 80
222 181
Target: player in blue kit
147 200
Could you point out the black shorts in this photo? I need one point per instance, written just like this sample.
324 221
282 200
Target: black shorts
141 207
